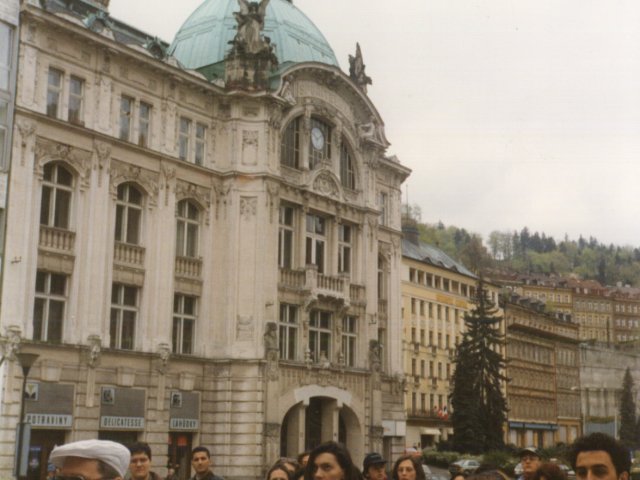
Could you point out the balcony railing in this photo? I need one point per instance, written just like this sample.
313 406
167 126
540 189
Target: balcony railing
130 255
188 267
292 278
332 284
57 239
310 280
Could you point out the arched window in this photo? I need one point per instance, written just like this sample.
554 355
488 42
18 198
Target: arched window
290 147
320 144
187 229
128 214
347 170
57 189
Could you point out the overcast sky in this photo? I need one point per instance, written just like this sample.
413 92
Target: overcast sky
510 113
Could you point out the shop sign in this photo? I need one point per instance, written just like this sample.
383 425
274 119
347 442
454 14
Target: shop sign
122 423
49 420
187 424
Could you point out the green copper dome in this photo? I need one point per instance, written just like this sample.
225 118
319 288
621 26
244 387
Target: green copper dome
204 38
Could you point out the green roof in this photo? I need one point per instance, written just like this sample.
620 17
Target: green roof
204 38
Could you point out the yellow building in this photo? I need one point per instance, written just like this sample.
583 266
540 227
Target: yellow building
436 294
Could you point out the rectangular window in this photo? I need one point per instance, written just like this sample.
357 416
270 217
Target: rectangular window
144 124
349 337
76 95
423 368
285 237
344 249
184 135
184 322
54 92
288 332
315 241
4 132
320 325
126 110
124 313
423 402
6 52
382 205
201 133
49 306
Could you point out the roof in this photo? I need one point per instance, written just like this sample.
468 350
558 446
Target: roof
424 252
204 38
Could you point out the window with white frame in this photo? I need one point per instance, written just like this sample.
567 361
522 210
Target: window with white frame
57 191
76 100
184 323
288 332
347 169
316 241
49 306
6 53
54 92
144 124
187 231
320 327
126 114
344 248
124 314
128 214
320 142
285 236
349 337
383 201
290 146
191 141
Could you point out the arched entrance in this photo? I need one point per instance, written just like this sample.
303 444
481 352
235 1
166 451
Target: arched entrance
305 426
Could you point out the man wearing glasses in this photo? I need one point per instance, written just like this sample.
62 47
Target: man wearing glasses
530 461
91 460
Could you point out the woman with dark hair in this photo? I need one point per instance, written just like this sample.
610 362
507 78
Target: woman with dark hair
331 461
279 472
408 467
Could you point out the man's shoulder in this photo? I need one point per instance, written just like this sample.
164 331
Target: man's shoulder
216 477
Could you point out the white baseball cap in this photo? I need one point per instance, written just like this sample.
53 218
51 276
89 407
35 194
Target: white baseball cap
115 455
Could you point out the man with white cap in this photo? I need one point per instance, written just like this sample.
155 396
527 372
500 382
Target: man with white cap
91 460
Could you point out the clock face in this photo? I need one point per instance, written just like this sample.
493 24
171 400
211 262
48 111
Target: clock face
317 138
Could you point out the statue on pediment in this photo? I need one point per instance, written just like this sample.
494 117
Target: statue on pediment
250 20
356 70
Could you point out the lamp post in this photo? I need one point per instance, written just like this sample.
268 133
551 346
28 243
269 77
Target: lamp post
26 361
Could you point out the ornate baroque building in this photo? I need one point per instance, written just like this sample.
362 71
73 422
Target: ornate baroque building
204 240
543 367
436 295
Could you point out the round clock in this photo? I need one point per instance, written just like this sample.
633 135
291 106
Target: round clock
317 138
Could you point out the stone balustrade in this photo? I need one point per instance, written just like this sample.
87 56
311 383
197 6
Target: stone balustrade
188 267
57 239
130 255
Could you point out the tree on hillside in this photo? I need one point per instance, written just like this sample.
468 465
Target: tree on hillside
477 400
628 434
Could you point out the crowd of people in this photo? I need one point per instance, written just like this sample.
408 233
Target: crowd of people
593 457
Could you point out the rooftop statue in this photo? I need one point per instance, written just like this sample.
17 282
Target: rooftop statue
356 70
250 20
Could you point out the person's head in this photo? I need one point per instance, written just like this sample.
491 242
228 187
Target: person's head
408 467
530 461
279 472
92 459
140 463
489 474
458 476
599 456
289 463
549 471
201 460
331 461
374 467
303 458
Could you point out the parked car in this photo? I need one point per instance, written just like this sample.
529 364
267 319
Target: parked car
466 466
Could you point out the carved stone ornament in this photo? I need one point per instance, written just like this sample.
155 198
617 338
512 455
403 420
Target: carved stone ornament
26 129
167 174
102 152
273 200
356 70
10 342
95 350
164 354
222 192
248 207
244 328
326 184
49 151
122 172
202 195
286 92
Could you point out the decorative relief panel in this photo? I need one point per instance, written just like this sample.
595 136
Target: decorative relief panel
250 147
327 184
122 172
202 195
248 207
80 160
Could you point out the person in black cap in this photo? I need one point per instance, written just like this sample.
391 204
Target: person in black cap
530 461
374 467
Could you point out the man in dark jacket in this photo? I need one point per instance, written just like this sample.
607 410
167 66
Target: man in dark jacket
202 464
140 463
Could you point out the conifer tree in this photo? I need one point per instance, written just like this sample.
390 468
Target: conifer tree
477 398
628 427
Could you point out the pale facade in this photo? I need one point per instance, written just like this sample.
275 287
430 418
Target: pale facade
193 263
543 365
436 294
